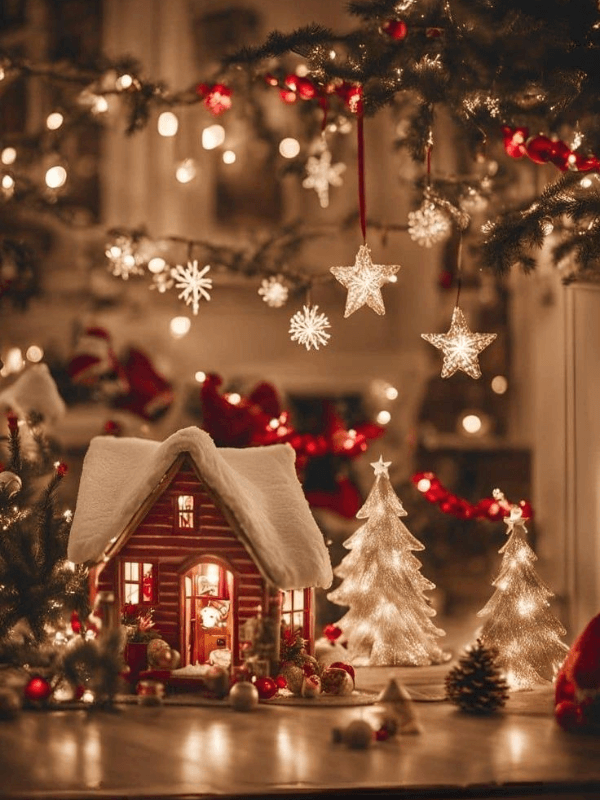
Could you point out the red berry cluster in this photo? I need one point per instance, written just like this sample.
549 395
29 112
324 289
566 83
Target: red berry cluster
294 87
216 97
488 508
544 150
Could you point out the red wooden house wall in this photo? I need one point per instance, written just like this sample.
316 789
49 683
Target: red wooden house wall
158 540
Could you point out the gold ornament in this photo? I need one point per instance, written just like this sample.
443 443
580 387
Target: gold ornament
364 281
460 346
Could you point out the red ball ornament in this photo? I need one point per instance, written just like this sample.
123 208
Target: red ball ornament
288 96
348 667
514 141
38 689
305 89
281 682
568 715
560 155
395 29
540 149
62 469
266 687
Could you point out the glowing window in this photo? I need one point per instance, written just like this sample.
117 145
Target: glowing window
294 609
185 511
138 582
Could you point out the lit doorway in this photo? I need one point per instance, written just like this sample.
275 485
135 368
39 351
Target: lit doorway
208 591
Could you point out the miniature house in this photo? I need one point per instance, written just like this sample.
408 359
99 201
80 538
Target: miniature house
205 536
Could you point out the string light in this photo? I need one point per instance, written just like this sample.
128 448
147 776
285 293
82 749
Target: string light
289 147
229 157
54 121
167 124
34 353
179 326
8 185
200 376
213 136
56 177
186 170
8 156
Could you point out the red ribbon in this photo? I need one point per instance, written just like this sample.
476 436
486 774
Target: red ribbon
361 174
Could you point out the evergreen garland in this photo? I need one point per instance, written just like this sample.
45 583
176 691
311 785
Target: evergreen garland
475 684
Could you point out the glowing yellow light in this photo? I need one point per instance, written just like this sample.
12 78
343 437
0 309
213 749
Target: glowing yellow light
424 485
471 423
156 264
572 159
99 105
234 398
391 392
289 147
56 177
229 157
179 326
7 182
332 54
213 136
383 417
87 696
585 182
124 82
393 279
167 124
54 121
499 384
14 360
8 156
34 353
302 70
200 376
274 423
186 171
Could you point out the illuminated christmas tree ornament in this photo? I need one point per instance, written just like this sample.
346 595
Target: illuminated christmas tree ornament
428 225
193 283
124 258
364 281
519 624
162 281
321 174
460 346
388 619
309 328
274 291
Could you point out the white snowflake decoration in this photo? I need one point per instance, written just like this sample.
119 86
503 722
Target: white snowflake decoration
274 291
124 259
308 327
162 281
322 174
428 225
192 283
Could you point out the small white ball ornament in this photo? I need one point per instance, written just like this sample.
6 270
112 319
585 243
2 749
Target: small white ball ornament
10 484
243 696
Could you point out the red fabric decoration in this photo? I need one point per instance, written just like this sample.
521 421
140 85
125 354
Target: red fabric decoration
488 508
577 689
150 395
217 98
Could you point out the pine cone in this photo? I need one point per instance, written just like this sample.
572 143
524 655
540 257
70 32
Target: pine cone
476 685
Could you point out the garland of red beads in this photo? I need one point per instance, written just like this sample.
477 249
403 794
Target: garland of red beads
544 150
490 508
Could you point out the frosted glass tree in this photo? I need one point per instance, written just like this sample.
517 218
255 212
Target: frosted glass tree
389 618
519 623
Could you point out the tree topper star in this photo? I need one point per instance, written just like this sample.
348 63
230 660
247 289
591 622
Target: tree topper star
381 467
364 281
460 346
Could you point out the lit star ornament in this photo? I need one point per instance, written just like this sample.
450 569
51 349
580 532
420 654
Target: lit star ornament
193 283
381 467
308 327
321 174
460 346
364 281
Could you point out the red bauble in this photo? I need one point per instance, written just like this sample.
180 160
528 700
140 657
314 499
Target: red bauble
433 33
281 682
305 89
560 155
514 141
540 149
37 689
568 715
395 29
62 469
266 687
348 667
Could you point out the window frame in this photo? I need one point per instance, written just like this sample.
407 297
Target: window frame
287 616
178 512
124 583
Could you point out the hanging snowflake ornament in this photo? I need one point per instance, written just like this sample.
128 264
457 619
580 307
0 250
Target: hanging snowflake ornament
124 258
162 281
460 346
309 328
321 174
364 281
274 291
193 283
428 225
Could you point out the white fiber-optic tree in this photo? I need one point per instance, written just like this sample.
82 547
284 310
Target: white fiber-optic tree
388 621
518 619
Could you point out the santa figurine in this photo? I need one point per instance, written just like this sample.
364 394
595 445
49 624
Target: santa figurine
577 692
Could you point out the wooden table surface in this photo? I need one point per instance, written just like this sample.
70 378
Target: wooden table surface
191 752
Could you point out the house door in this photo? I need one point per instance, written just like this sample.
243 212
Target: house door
208 591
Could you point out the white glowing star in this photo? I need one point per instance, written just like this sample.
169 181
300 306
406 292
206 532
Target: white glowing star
321 174
381 467
364 281
460 346
274 291
193 284
124 260
428 225
308 327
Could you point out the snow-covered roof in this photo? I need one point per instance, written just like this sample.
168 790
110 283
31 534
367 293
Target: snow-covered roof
258 485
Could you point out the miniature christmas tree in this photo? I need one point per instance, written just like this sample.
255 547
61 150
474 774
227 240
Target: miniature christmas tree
519 623
476 683
388 621
37 583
